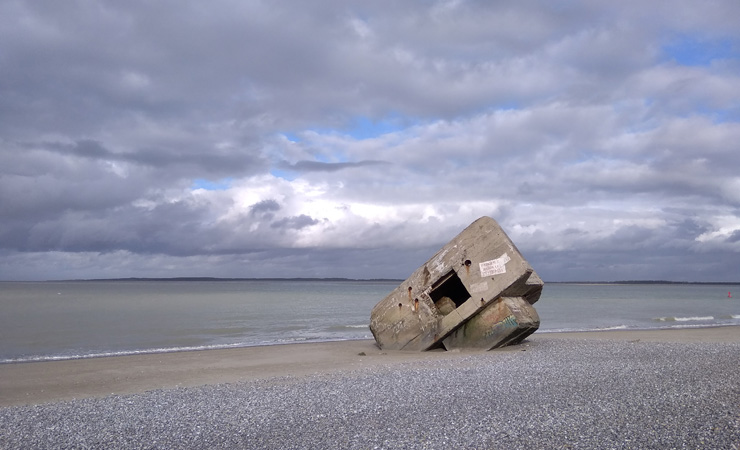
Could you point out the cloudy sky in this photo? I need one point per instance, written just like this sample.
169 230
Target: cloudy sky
248 138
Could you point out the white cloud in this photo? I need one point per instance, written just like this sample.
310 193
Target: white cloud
723 227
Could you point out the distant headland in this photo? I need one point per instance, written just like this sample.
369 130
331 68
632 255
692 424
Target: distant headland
231 279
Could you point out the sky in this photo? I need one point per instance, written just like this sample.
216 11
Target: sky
247 138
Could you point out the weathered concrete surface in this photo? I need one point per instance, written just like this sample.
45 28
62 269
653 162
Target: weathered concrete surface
505 321
476 292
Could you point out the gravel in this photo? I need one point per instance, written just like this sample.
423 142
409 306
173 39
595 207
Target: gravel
543 394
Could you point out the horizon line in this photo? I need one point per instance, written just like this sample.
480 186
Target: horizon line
353 279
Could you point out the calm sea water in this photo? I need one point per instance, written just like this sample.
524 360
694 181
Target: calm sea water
60 320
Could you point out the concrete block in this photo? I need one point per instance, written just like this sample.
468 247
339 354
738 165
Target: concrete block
475 292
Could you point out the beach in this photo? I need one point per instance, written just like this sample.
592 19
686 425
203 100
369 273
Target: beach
677 388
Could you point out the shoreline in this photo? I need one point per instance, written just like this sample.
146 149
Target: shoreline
714 333
163 351
28 383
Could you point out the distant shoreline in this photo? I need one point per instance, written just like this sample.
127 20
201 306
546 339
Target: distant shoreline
227 279
399 280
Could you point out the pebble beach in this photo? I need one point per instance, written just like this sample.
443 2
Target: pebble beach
620 390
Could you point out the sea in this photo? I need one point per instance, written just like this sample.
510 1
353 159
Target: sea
56 320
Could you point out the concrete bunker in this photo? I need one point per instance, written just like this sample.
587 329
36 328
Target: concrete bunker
475 292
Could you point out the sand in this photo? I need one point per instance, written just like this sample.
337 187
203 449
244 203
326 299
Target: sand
52 381
616 389
40 382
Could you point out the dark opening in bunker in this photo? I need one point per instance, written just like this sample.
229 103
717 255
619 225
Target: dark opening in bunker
449 286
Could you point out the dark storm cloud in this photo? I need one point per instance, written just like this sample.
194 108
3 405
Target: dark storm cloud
734 237
264 207
295 223
206 161
317 166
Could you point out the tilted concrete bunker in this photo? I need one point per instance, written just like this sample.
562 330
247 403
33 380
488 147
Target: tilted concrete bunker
476 292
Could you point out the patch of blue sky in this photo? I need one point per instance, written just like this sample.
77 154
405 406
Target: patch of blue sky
358 128
689 50
361 128
718 115
209 185
292 137
288 175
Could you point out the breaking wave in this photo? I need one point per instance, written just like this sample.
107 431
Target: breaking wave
149 351
684 319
